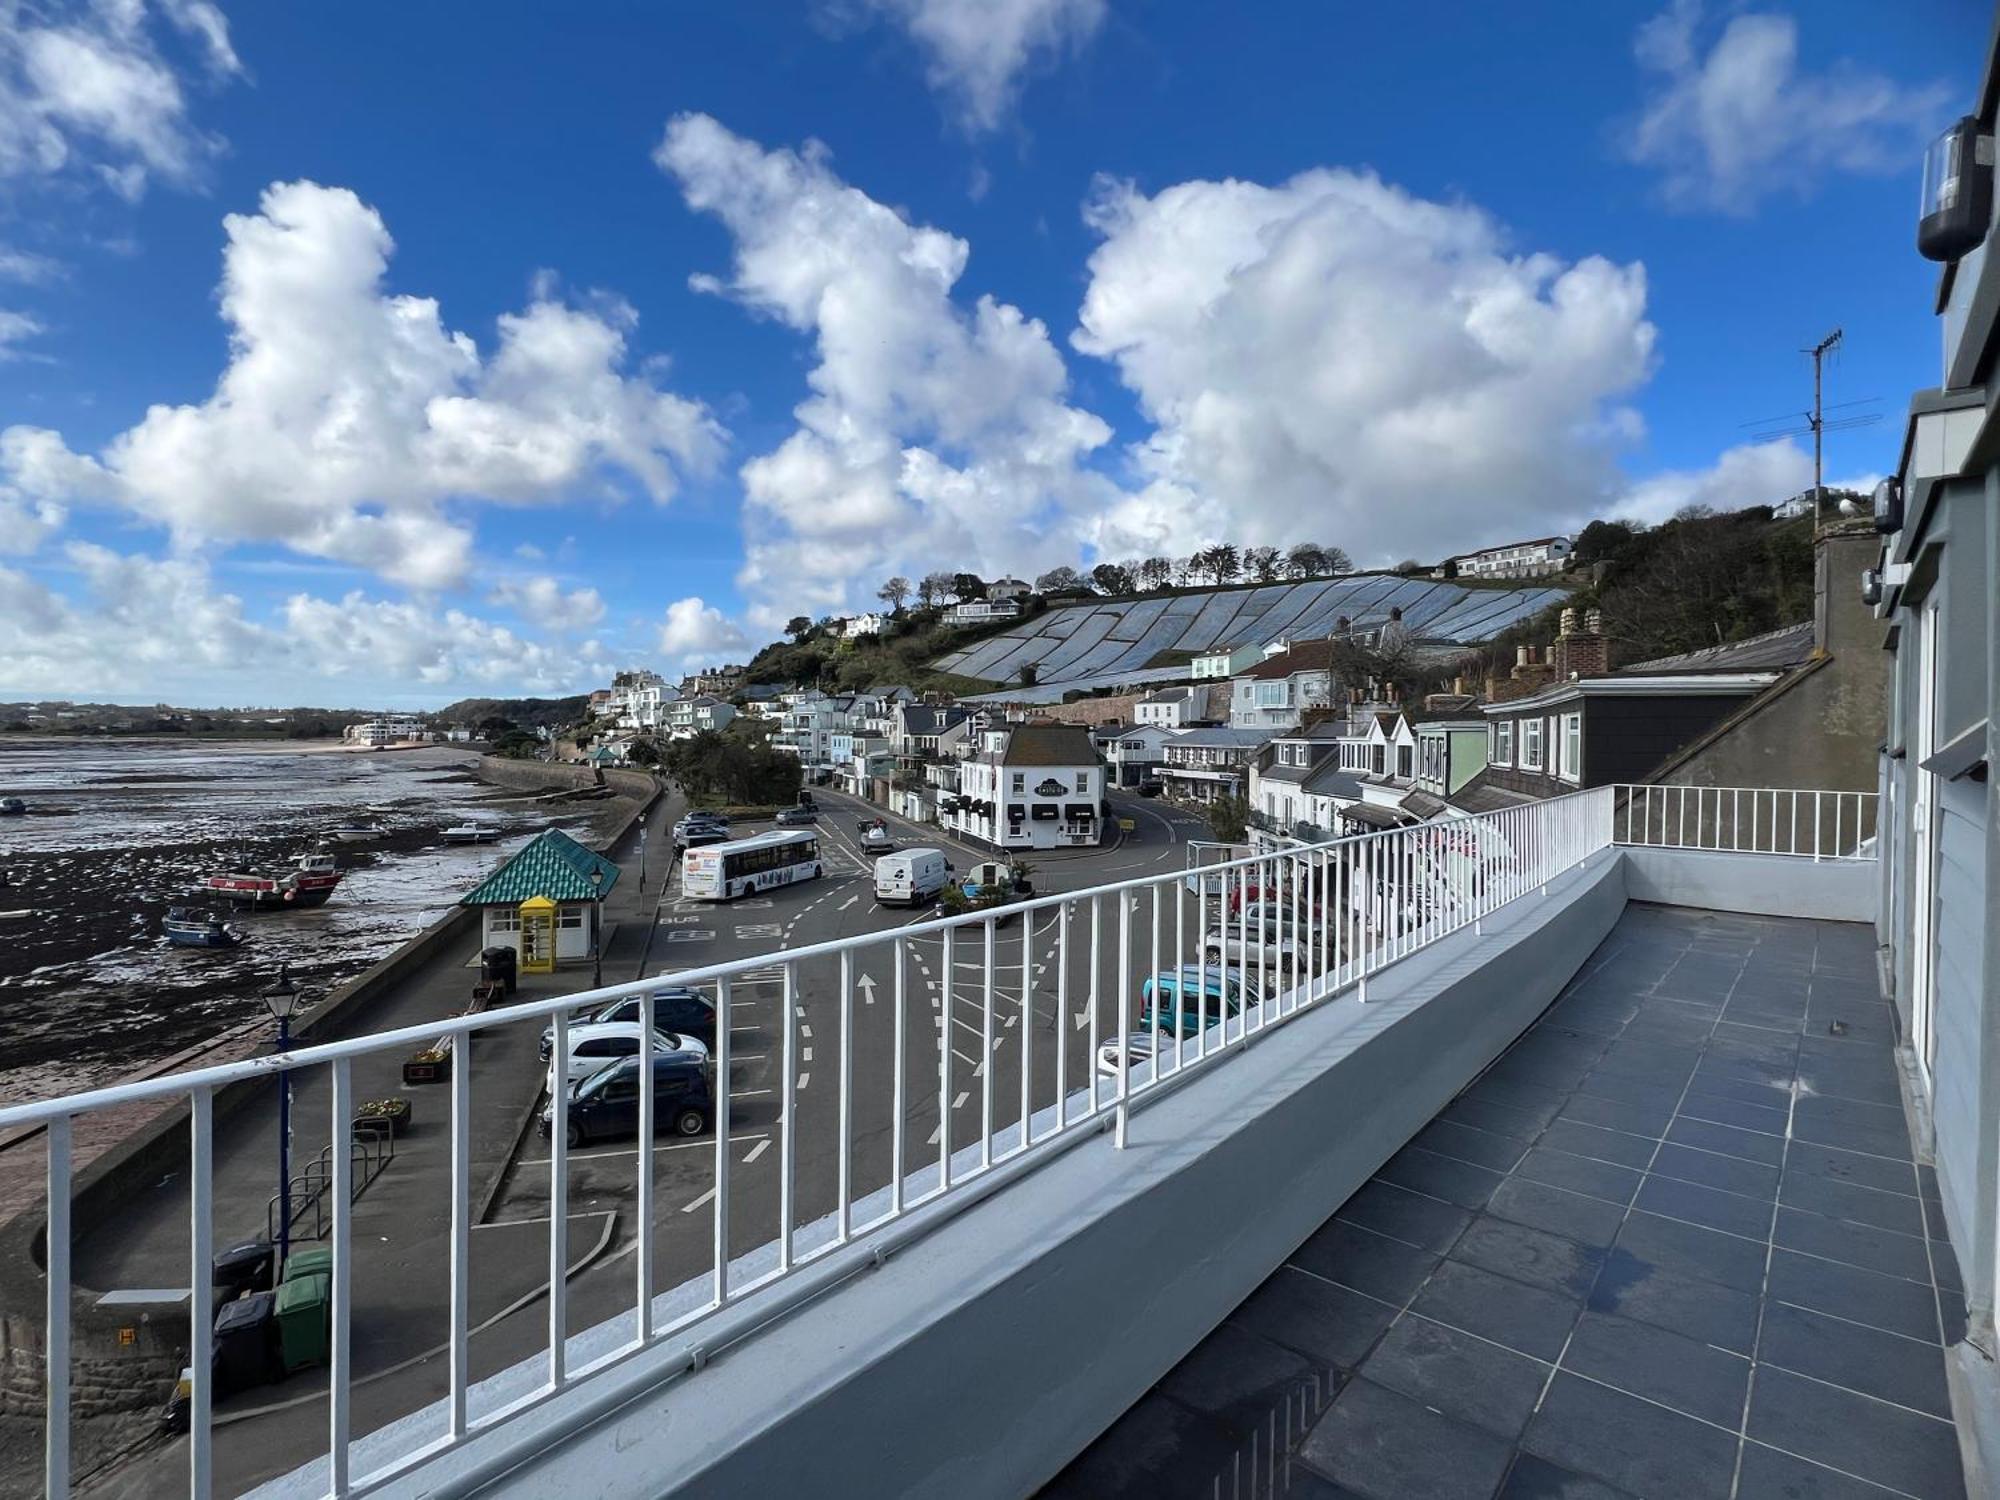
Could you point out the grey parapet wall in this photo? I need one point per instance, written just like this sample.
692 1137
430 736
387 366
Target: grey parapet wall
1766 885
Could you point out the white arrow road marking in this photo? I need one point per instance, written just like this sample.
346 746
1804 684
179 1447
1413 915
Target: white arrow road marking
1082 1019
867 988
849 902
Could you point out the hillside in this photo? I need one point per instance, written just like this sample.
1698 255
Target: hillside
1113 638
530 713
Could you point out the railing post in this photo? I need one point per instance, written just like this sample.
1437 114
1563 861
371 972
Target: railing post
720 1115
642 1240
843 1220
1062 1017
340 1371
788 1118
944 1064
55 1440
1122 1124
201 1273
897 1128
559 1200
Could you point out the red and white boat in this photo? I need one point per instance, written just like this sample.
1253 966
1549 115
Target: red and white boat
308 883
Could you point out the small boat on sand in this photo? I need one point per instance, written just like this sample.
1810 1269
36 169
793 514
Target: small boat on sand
469 833
308 883
185 927
354 833
12 807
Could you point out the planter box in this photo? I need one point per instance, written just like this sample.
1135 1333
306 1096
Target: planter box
399 1119
425 1069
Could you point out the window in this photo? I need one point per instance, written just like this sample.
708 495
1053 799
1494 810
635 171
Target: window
1572 747
1273 694
1020 782
570 916
1404 756
1083 781
1378 760
1531 744
504 919
1503 743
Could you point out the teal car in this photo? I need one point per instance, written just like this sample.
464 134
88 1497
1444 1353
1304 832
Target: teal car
1177 1001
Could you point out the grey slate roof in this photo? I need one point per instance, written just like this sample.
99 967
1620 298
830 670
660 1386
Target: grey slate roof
1049 745
1327 779
1787 646
551 864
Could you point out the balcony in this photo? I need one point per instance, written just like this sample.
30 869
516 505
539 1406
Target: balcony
1497 1179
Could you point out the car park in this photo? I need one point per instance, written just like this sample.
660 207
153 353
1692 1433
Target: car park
595 1047
676 1008
606 1104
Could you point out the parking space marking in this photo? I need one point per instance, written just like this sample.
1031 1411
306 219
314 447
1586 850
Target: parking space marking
757 1150
692 1204
959 1102
707 1145
804 1079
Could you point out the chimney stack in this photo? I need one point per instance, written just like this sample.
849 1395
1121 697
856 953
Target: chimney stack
1580 653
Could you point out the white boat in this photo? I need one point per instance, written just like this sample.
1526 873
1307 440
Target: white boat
470 833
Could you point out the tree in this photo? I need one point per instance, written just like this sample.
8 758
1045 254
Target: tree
932 588
1030 674
798 627
1604 541
1057 579
1229 819
1337 560
967 586
1112 578
1305 561
1219 564
1261 563
893 593
1156 572
642 753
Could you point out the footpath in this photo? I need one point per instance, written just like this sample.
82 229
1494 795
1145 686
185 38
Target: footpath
130 1261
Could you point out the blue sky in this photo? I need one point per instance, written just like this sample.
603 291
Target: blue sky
387 354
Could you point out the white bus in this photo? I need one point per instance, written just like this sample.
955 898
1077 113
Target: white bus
722 872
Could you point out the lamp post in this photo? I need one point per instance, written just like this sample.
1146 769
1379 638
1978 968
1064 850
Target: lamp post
597 930
281 998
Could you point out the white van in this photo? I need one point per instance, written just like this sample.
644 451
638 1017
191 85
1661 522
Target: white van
911 877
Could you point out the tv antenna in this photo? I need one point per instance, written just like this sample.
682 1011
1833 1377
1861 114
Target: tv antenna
1817 422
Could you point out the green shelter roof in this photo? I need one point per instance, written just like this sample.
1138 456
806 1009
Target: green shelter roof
551 864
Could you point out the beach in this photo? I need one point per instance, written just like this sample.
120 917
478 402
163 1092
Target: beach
118 831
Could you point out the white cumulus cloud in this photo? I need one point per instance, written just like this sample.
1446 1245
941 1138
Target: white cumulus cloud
696 633
936 434
1744 121
88 89
350 420
976 51
1334 357
542 600
147 627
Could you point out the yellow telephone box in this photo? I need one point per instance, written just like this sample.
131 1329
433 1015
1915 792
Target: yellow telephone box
538 935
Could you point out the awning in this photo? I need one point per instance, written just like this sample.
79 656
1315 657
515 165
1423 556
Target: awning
1044 811
1373 816
1079 811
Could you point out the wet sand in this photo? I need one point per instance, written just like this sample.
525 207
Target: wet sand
118 831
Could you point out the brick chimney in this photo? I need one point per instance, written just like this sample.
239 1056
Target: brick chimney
1531 673
1580 652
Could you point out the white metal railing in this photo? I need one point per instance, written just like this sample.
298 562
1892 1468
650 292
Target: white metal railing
1296 926
1747 820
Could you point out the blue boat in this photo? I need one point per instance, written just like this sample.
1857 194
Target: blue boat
187 928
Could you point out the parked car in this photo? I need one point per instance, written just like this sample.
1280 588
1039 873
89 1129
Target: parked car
1248 943
796 817
676 1008
1183 997
595 1047
606 1104
1137 1046
1151 786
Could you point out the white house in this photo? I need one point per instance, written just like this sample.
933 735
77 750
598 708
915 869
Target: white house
687 717
1031 786
1008 588
868 624
1171 708
1203 764
982 611
1275 693
1135 753
387 731
1531 559
1226 661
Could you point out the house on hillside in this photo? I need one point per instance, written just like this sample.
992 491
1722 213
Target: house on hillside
1135 752
1535 558
1274 693
1171 708
1225 661
870 623
1028 786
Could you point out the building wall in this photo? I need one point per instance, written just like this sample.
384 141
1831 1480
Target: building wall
1823 730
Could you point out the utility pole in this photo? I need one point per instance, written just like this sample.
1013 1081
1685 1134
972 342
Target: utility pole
1819 353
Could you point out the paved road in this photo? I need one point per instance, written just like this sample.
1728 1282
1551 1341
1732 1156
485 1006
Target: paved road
972 1035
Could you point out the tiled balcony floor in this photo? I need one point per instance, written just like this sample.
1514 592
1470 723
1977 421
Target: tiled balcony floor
1672 1245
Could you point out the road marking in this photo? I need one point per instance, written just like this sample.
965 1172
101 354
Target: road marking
804 1030
805 1055
804 1079
680 921
849 902
691 935
867 988
1082 1019
748 930
959 1102
757 1150
936 1131
690 1206
708 1145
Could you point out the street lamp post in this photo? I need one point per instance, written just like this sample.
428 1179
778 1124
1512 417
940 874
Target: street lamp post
597 930
281 998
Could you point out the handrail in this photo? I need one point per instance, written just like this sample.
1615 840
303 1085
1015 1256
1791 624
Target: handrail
1797 822
1330 916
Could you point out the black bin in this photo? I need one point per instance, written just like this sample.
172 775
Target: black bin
500 963
242 1268
246 1343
